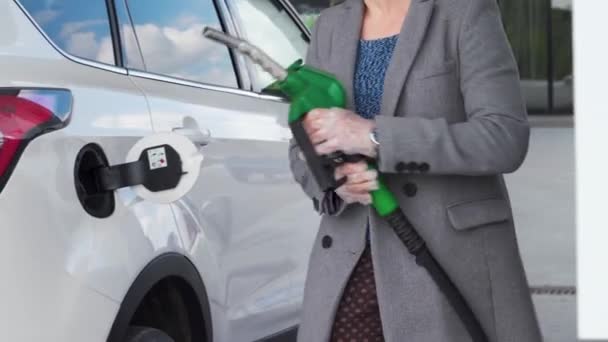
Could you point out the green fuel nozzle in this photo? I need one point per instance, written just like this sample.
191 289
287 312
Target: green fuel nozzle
307 88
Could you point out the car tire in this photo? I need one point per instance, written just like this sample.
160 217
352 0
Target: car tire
145 334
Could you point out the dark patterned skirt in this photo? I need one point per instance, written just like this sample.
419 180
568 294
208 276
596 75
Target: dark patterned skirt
358 315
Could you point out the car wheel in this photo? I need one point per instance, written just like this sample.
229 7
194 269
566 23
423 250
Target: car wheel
145 334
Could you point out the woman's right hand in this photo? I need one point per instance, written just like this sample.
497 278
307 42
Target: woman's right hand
360 182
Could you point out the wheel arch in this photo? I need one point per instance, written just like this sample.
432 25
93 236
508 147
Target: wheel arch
170 265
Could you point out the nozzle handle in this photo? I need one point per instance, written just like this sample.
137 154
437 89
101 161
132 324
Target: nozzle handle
258 56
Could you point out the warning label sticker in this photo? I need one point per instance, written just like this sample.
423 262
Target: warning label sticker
157 158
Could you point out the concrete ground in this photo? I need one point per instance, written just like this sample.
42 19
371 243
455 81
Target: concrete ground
543 197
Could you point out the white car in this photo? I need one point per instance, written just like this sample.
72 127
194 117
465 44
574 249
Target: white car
81 82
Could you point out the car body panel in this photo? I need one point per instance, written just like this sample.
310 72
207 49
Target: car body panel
73 268
244 221
246 226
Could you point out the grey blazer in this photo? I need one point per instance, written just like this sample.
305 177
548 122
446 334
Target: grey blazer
452 122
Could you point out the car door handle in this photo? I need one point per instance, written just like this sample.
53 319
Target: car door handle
200 137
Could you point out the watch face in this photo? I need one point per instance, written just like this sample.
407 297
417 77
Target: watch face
374 137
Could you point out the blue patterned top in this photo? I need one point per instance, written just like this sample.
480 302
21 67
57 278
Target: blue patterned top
373 59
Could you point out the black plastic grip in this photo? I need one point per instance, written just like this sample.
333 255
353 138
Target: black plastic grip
318 166
406 232
339 158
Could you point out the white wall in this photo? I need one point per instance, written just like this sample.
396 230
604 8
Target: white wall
591 98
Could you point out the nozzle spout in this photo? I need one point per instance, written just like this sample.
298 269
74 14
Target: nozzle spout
222 38
258 56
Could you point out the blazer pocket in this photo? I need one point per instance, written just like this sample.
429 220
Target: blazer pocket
432 70
474 214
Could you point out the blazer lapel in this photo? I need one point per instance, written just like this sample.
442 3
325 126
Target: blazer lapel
345 44
409 42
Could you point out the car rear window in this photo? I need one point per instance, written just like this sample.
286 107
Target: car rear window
80 28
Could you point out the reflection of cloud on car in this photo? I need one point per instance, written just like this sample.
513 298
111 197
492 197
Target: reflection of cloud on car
173 50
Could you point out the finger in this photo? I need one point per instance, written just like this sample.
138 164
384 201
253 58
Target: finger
353 198
318 136
347 197
314 115
315 112
362 177
361 188
363 199
350 197
335 112
339 173
327 147
366 199
342 169
352 168
311 126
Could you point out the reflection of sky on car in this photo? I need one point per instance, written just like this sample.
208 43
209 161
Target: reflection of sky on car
170 36
78 27
169 33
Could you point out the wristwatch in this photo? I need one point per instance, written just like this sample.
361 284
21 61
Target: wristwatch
373 136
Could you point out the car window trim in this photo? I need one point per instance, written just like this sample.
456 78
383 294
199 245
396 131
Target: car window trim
295 16
115 33
73 58
229 23
132 26
178 81
125 57
240 29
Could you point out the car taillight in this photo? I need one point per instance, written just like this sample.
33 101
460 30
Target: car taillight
24 115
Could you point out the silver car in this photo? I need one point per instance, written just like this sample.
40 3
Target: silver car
81 83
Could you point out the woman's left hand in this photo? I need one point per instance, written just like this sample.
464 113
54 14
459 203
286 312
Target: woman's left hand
337 129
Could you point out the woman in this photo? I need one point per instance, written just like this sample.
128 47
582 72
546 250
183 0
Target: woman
434 97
